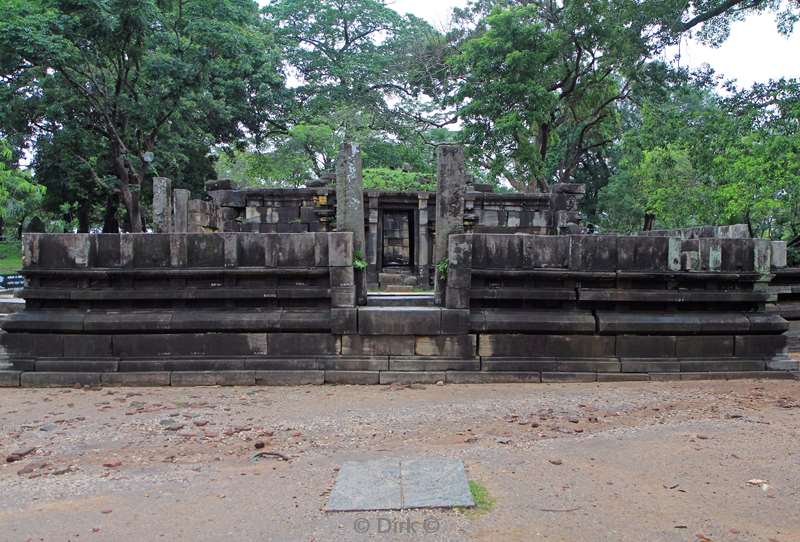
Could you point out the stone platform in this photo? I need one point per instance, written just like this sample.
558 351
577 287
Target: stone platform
247 308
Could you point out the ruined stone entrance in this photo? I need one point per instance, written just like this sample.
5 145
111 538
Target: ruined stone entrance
398 245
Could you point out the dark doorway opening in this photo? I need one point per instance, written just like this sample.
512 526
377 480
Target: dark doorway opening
398 242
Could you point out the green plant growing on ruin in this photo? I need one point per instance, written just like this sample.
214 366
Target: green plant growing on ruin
359 263
484 502
441 267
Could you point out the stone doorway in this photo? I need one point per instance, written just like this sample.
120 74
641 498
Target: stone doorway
397 249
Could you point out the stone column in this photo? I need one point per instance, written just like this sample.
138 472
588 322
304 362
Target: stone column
350 208
162 204
372 237
451 186
180 210
423 258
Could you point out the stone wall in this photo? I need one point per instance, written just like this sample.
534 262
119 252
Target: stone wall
252 308
617 303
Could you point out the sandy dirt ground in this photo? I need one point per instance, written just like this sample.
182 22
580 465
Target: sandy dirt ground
673 461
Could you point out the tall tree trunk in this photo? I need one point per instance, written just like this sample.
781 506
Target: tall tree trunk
83 218
110 222
649 221
130 188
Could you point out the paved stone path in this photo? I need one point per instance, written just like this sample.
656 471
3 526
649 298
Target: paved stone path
397 484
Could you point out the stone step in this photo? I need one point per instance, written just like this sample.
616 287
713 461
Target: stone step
11 304
392 279
398 288
400 300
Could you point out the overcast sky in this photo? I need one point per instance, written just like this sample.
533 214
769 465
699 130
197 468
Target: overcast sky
755 52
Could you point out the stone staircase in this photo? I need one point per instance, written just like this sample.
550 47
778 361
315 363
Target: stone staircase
399 300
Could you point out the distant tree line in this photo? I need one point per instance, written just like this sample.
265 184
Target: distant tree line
99 96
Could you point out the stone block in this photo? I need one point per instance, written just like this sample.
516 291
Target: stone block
522 364
639 346
593 252
580 346
290 250
151 250
778 254
704 346
63 251
649 365
45 320
73 365
282 364
538 321
602 365
511 345
722 365
59 380
234 344
622 377
235 378
340 249
289 378
641 253
457 298
25 345
545 251
87 345
399 320
250 249
762 322
344 321
143 345
155 378
456 346
435 364
105 250
162 204
548 377
180 210
338 363
379 345
205 250
765 346
128 321
455 321
193 378
9 379
298 344
497 251
459 377
664 377
352 377
411 377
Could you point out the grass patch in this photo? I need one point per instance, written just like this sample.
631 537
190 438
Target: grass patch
10 257
484 503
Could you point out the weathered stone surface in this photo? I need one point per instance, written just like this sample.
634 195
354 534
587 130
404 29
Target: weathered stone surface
548 377
435 364
778 254
351 377
704 346
162 204
344 321
722 365
87 345
136 379
282 364
593 252
457 346
639 346
412 377
650 365
289 378
193 378
180 210
451 186
56 380
9 379
459 377
545 252
76 365
379 345
455 321
295 344
340 363
540 321
622 377
60 251
765 346
350 207
399 320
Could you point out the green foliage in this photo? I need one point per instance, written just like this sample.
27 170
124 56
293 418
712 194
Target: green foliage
397 181
359 263
441 268
99 87
484 502
20 195
698 158
10 257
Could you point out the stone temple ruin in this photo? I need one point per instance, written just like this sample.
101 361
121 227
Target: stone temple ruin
269 286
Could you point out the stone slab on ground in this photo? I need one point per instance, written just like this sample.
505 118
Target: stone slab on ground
396 484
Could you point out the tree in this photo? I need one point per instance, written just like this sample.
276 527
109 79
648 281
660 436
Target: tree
154 80
19 194
352 66
541 83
